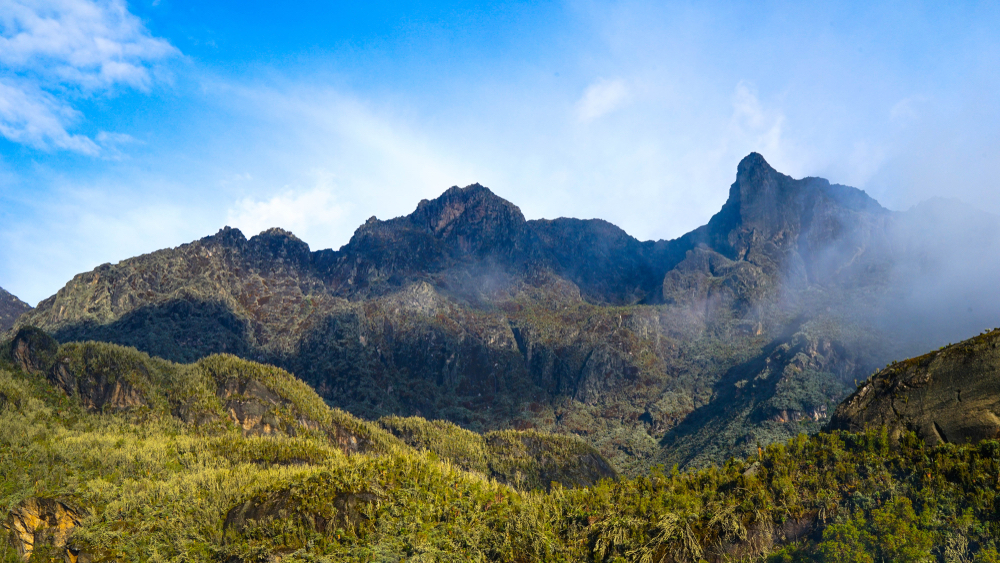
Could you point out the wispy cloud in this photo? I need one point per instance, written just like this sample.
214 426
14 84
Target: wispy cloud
33 117
53 52
78 225
752 122
601 98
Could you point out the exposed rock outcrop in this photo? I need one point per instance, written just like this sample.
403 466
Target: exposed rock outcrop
98 385
38 524
34 350
250 404
951 395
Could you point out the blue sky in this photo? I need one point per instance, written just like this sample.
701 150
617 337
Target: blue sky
129 127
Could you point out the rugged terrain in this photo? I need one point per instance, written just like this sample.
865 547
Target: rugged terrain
10 309
108 454
951 395
746 331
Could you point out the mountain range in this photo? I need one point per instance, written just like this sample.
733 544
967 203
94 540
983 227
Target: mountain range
579 361
743 332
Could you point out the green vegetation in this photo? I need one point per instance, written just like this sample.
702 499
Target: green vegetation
150 485
525 459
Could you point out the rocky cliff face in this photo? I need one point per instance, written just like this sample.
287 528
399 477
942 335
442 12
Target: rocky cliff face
10 309
464 310
44 522
951 395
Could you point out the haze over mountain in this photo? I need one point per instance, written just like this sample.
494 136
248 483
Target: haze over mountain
747 330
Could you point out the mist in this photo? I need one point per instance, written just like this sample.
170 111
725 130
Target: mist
945 284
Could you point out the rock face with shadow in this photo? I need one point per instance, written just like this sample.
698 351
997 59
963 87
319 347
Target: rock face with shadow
951 395
41 527
10 309
466 311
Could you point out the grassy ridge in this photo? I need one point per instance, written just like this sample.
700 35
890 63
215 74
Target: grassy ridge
526 459
151 487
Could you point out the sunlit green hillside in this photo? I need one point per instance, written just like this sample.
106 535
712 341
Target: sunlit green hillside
107 454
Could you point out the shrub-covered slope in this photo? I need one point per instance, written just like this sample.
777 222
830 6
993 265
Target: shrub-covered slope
118 475
747 330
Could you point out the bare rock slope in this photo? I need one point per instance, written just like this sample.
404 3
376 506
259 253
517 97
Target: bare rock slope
951 395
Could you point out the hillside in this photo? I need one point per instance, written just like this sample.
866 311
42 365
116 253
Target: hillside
108 454
745 331
10 309
951 395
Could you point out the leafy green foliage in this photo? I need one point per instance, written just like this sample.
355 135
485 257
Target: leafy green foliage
153 487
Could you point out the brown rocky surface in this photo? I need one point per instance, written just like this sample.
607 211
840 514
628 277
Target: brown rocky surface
98 389
951 395
260 400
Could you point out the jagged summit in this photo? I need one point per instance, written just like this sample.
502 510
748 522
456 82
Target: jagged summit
473 205
227 236
807 227
754 164
771 222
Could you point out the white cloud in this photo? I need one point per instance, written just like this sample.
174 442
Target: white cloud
303 212
52 51
33 117
382 159
601 98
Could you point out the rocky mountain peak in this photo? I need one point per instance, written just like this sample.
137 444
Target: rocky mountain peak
753 165
280 244
768 200
467 211
227 236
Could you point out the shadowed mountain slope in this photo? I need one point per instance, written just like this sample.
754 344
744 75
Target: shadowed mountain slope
743 331
10 309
